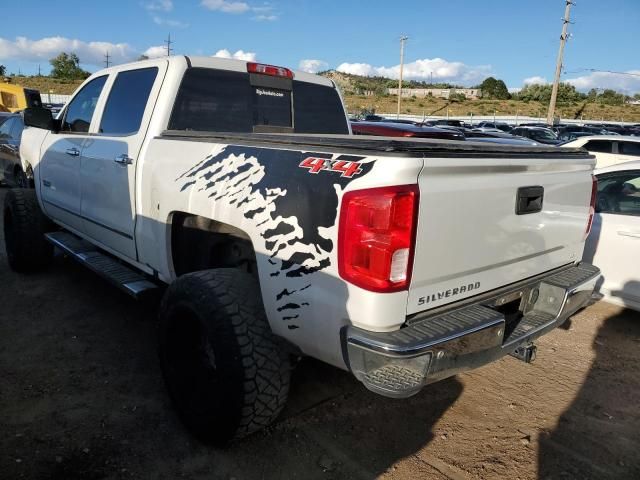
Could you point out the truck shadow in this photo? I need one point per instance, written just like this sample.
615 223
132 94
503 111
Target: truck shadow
597 436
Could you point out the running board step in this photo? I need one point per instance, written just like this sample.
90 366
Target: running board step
124 277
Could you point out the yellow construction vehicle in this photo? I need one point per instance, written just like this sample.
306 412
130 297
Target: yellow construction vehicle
14 98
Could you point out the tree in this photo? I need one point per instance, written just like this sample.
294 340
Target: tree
3 70
67 66
494 89
567 93
143 57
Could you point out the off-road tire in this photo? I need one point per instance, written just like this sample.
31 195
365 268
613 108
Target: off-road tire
24 229
226 372
20 178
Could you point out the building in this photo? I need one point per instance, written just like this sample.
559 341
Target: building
469 93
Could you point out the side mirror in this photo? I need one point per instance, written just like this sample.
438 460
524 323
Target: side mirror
39 117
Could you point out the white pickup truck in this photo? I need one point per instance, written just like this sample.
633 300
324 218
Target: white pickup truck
279 234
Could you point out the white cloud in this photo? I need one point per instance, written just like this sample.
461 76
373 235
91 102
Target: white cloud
265 18
312 66
263 13
159 5
91 53
237 55
437 68
168 22
155 52
514 89
535 80
628 84
226 6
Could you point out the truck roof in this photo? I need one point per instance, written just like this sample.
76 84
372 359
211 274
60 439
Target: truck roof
217 63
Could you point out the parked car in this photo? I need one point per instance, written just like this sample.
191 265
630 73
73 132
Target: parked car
11 169
277 233
4 116
493 136
442 122
54 107
390 129
539 134
505 127
608 149
569 132
614 242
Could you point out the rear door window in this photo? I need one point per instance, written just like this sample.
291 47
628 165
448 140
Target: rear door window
619 193
629 148
600 146
127 101
77 117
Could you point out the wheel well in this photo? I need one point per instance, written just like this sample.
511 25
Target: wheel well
199 243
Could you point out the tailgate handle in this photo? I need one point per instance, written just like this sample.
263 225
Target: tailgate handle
529 200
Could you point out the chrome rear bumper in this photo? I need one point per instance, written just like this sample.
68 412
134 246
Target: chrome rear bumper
400 363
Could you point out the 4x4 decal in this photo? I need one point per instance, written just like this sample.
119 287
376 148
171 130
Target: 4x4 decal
346 168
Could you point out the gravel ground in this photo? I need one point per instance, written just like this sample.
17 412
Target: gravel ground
81 397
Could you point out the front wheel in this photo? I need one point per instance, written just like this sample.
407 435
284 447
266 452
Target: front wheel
226 372
24 229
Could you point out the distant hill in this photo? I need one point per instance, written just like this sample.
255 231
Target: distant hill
369 93
353 88
357 84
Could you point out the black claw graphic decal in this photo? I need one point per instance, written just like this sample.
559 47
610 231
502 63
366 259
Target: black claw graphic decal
289 208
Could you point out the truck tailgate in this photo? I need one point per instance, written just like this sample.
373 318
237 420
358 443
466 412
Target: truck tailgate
470 239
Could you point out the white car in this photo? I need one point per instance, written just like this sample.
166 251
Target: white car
614 242
609 149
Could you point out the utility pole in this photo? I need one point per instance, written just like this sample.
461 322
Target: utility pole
556 80
168 42
39 70
403 39
106 59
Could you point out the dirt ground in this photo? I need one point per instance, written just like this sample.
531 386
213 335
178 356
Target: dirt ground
81 397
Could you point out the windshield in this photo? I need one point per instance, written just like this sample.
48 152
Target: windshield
543 134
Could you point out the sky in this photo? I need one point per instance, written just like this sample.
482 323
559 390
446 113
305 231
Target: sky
460 42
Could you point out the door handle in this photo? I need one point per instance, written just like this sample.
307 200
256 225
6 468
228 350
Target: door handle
123 160
628 234
74 152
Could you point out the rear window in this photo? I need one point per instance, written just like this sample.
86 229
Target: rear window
601 146
223 101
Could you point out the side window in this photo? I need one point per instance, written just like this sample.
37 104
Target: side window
619 193
629 148
18 126
77 117
127 101
601 146
5 129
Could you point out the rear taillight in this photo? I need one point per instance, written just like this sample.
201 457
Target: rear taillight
272 70
592 204
376 237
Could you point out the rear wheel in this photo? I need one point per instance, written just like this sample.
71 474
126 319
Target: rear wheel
226 372
20 178
24 229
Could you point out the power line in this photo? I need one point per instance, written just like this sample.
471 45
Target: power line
169 42
595 70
